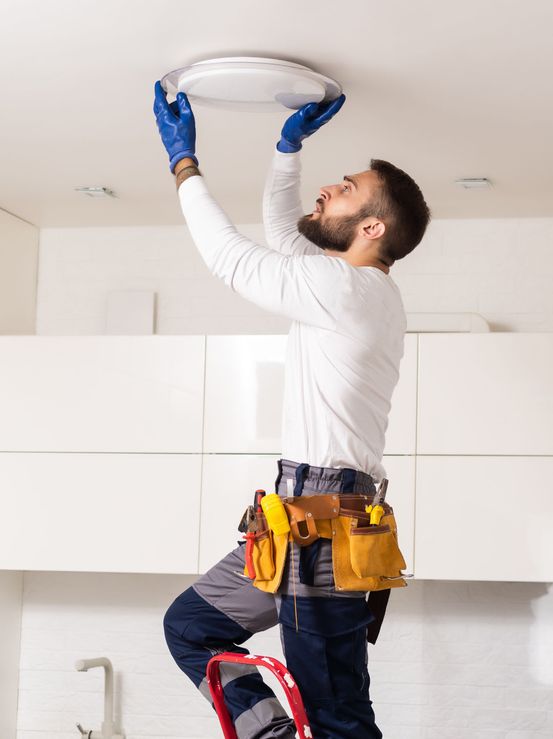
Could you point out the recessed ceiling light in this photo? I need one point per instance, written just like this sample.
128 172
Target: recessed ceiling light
474 183
96 192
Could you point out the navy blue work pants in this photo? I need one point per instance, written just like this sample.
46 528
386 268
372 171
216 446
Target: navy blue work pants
323 632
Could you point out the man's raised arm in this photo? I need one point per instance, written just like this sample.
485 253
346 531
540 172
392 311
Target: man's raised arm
282 206
302 288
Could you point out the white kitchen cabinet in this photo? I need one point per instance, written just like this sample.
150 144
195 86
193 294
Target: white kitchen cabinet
229 482
102 463
485 394
484 518
101 393
244 396
100 512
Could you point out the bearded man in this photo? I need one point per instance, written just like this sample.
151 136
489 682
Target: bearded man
329 272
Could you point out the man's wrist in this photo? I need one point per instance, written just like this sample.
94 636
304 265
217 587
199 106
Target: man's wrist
184 169
182 163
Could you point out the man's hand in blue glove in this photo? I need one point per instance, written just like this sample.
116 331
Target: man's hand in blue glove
306 121
176 125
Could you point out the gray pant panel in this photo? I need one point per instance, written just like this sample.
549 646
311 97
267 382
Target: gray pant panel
226 588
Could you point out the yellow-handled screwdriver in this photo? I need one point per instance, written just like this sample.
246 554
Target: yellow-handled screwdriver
376 514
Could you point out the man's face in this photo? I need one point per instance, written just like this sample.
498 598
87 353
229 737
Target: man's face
334 222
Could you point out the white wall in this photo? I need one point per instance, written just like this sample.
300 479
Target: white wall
79 267
18 275
501 268
454 660
11 590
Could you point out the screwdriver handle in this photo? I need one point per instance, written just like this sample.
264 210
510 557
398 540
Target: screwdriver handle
376 514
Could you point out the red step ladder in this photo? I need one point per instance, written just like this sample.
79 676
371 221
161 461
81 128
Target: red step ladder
277 668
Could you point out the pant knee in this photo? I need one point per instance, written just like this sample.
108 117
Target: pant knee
193 619
178 617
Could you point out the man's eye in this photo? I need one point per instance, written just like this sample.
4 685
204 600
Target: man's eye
346 187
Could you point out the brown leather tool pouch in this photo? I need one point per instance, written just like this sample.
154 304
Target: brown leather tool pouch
304 512
268 553
259 551
263 556
277 559
366 557
374 549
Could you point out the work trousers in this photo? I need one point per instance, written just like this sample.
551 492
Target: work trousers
323 631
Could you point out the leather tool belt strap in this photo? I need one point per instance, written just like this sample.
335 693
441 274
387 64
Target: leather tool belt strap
308 513
305 511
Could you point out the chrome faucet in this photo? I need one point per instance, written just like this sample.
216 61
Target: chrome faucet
83 665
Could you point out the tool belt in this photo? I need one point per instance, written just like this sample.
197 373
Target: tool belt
365 556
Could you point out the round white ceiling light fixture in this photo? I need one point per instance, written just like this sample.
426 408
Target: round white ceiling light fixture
251 83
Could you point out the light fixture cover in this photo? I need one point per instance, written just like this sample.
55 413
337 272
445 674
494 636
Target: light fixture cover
251 83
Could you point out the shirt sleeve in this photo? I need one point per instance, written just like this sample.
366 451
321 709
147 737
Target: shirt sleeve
282 206
304 288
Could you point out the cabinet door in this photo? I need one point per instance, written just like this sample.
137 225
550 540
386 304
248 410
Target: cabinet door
229 482
484 518
485 394
400 434
100 512
244 394
101 393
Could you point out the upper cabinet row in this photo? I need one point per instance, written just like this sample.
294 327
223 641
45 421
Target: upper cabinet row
477 394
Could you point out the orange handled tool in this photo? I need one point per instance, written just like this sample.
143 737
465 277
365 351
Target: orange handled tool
250 569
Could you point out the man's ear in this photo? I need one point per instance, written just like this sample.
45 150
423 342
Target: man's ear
374 230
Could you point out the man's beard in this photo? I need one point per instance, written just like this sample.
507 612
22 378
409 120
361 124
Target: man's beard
335 233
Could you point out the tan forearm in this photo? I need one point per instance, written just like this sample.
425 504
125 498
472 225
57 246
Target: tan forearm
184 169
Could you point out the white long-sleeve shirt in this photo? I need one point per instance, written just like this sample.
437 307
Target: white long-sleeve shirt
348 323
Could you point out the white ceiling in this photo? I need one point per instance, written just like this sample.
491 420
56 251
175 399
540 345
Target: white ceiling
442 89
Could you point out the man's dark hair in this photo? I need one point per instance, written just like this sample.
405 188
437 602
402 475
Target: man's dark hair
401 206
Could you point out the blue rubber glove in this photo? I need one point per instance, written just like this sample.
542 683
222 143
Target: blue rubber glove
306 121
176 125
